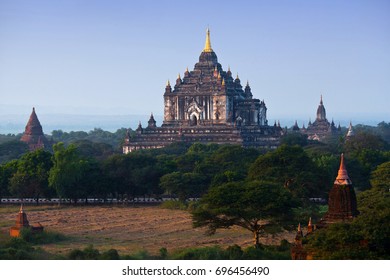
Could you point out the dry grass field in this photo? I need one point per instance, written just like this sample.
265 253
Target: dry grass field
127 229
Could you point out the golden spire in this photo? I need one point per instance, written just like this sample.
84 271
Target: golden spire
168 84
223 82
178 76
207 45
187 69
342 176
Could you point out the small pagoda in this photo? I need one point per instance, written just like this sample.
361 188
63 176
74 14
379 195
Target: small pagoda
33 135
23 223
342 204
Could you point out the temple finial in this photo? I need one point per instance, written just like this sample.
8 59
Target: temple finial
168 84
207 45
342 175
321 100
223 82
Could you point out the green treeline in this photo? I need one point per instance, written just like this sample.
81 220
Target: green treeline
86 169
261 191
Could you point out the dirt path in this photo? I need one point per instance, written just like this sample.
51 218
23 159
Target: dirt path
127 229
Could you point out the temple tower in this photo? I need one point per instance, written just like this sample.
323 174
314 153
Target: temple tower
342 198
321 113
321 128
33 135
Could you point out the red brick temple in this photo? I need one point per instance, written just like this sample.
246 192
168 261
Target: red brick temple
33 135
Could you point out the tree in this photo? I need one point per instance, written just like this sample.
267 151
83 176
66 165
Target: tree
380 177
289 166
12 150
184 185
6 172
257 206
31 176
68 172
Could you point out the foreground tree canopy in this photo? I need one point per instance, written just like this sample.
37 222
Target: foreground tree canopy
257 206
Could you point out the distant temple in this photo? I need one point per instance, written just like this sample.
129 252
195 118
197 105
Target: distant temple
320 128
22 223
208 105
33 135
342 207
350 132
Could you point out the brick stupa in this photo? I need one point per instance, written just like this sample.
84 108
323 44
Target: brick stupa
22 223
342 205
33 135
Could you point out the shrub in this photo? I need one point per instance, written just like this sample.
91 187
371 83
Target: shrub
44 237
206 253
111 254
174 205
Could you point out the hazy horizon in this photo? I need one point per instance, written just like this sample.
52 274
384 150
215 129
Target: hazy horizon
15 123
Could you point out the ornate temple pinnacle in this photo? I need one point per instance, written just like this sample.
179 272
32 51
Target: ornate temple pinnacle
342 176
321 100
207 45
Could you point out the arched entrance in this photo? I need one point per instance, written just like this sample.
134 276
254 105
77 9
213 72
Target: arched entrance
194 120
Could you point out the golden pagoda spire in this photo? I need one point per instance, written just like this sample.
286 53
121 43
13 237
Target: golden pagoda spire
342 176
207 45
223 82
178 76
168 84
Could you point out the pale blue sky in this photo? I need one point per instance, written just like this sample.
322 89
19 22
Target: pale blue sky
114 57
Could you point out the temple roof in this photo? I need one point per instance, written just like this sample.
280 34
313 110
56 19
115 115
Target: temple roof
208 77
33 125
321 113
342 176
350 130
33 134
